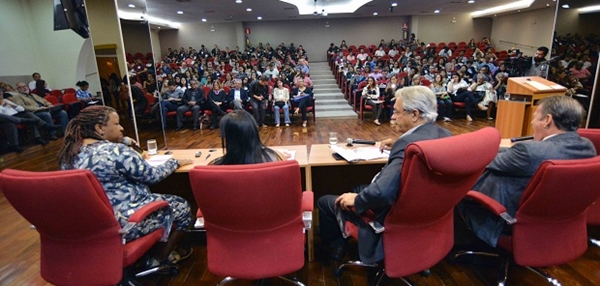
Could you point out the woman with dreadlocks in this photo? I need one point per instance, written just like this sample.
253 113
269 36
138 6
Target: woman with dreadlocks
93 141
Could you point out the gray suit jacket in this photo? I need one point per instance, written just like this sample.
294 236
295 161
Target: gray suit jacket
383 191
507 176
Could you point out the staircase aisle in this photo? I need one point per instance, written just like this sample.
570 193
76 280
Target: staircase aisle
329 98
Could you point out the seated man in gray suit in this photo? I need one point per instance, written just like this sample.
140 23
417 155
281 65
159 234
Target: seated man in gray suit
415 111
555 137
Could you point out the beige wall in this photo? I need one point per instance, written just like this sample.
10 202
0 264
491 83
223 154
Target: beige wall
105 27
196 34
528 29
451 28
136 37
570 21
29 43
155 39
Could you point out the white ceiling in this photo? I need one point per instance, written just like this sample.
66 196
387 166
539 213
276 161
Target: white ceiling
215 11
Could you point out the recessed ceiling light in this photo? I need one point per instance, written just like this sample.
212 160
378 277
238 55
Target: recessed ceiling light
249 9
238 1
259 18
436 11
203 19
180 12
131 6
566 6
394 4
375 13
547 5
471 1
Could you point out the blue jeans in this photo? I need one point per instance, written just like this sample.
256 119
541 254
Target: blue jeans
286 113
445 107
167 106
468 98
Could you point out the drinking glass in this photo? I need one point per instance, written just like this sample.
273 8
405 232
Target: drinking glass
506 96
333 140
152 147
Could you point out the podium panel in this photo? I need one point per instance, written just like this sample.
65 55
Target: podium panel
513 117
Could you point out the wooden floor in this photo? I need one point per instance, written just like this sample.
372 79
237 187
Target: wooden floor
19 246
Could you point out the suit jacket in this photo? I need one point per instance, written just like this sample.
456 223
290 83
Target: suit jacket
196 95
243 95
29 102
506 177
383 191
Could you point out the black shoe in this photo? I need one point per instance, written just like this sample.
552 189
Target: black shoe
337 253
213 127
196 128
178 128
52 137
51 127
16 148
40 141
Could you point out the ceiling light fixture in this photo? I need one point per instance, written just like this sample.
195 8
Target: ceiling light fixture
375 13
436 11
471 1
503 8
566 6
259 18
180 12
238 1
394 4
589 9
131 6
307 7
204 20
249 9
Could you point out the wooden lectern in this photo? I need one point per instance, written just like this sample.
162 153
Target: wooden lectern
514 116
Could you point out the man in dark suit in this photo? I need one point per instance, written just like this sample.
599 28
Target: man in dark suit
237 97
193 99
415 111
555 124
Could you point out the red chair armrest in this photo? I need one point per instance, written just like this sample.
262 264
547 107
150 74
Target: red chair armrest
491 205
146 210
308 201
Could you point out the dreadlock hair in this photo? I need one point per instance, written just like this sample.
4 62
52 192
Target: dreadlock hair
80 127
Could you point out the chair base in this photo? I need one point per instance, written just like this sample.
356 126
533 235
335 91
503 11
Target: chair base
290 280
380 273
503 268
595 242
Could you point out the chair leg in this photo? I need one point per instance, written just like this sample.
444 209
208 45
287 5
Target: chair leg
468 252
340 270
550 279
291 280
503 271
225 281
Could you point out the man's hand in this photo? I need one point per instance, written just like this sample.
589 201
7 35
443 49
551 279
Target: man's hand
346 200
386 144
191 103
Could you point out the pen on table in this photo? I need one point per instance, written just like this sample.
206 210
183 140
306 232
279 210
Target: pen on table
207 156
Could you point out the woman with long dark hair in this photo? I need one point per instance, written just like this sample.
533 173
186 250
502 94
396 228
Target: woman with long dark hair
93 142
371 95
241 141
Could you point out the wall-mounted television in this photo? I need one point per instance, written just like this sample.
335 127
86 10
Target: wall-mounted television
70 14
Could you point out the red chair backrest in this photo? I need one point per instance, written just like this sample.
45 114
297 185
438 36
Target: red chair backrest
68 90
433 180
593 214
206 90
250 219
551 218
69 97
80 240
52 99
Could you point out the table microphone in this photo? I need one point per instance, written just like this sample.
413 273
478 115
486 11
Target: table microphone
129 142
524 138
351 141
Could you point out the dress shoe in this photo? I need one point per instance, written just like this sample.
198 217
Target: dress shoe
196 128
40 141
178 128
213 127
52 137
15 148
336 251
469 118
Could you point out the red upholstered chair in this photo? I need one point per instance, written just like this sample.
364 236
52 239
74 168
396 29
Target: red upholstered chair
593 214
81 241
419 228
261 233
549 227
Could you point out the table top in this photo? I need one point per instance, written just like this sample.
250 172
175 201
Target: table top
320 155
301 155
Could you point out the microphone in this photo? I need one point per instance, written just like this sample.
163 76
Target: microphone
524 138
351 141
553 59
129 142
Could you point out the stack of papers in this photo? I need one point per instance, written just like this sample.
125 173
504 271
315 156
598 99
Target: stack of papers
360 154
158 159
289 154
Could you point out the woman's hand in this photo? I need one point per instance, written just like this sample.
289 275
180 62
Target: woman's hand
183 162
